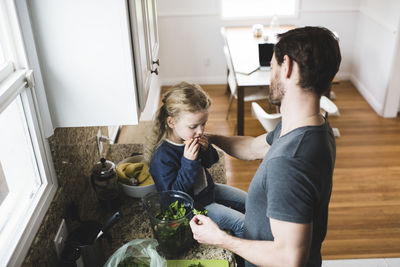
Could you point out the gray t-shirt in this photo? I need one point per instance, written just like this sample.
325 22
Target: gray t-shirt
293 184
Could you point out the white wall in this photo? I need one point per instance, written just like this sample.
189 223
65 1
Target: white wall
339 16
191 45
374 50
392 103
190 41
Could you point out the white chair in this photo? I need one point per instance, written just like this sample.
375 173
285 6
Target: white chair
250 94
268 121
223 34
329 107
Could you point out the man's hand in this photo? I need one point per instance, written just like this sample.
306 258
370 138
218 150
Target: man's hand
241 147
203 141
191 149
206 230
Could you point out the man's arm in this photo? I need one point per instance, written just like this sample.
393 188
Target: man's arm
241 147
290 247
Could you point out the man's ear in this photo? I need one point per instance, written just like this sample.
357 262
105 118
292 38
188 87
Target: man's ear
170 122
287 65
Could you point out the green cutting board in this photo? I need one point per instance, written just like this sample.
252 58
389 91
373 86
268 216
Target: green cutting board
205 263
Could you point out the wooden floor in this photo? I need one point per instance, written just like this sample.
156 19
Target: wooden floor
364 213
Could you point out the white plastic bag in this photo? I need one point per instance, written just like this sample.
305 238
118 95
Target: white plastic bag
144 249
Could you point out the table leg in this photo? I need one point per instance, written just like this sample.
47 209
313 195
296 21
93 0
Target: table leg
240 110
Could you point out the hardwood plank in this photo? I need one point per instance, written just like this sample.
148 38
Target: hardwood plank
364 213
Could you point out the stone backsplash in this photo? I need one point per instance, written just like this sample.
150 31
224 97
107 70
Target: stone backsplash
74 152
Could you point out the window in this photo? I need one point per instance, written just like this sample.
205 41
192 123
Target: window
1 56
258 8
27 180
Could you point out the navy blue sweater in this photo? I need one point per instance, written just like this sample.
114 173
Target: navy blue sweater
172 171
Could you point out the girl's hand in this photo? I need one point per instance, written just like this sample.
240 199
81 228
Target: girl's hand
191 149
203 141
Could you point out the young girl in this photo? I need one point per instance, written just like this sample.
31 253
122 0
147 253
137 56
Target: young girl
179 155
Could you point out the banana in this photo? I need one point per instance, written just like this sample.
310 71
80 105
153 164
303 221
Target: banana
144 173
121 175
121 170
144 178
148 181
134 174
133 169
124 181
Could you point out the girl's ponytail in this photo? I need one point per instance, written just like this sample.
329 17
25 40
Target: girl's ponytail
157 133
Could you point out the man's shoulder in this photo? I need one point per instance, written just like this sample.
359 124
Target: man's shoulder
304 142
317 145
285 146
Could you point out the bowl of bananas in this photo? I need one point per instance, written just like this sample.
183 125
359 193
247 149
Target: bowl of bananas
134 177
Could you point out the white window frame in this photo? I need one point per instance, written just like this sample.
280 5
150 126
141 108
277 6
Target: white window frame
18 81
245 21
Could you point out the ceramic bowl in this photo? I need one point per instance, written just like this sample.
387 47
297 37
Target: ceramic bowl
133 190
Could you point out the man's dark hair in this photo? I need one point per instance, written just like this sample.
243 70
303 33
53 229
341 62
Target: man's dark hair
316 51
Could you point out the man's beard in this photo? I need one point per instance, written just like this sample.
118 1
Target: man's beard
276 91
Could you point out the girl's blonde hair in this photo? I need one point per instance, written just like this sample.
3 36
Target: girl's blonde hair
182 97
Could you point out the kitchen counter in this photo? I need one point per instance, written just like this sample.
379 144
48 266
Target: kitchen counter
74 153
134 223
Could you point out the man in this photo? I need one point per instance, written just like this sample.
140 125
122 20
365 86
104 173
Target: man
287 204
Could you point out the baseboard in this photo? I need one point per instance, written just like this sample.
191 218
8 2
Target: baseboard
344 76
363 90
198 80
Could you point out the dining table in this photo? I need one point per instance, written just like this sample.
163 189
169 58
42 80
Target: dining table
242 43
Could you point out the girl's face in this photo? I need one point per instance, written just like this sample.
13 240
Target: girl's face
187 125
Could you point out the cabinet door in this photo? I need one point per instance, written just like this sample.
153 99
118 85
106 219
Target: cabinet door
138 20
143 15
152 26
86 59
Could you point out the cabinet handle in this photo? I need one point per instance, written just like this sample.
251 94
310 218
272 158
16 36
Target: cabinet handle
157 62
155 71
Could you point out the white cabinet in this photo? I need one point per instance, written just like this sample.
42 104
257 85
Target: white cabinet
96 58
153 32
143 18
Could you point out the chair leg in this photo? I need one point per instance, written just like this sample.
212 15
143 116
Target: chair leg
229 106
227 90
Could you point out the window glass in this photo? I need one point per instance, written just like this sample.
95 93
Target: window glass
26 183
2 59
258 8
20 178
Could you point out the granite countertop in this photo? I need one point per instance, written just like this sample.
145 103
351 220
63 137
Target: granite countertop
75 201
134 223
